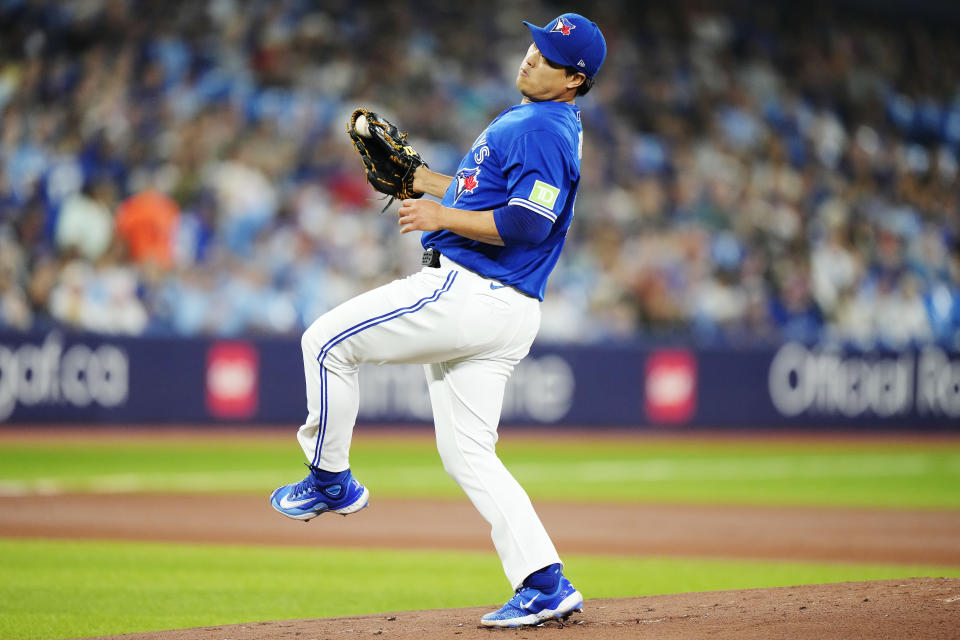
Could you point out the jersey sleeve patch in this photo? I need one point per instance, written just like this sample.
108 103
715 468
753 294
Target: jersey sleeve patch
544 194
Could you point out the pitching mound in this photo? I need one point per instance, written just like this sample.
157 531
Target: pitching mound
919 608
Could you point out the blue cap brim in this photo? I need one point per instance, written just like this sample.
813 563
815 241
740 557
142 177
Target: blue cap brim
542 41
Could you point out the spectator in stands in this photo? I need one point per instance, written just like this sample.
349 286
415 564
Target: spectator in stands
85 222
15 312
900 316
146 222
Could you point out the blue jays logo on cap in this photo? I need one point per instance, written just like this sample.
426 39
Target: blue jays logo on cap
573 41
563 26
467 181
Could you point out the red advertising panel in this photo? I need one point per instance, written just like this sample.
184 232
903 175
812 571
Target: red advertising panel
232 379
670 387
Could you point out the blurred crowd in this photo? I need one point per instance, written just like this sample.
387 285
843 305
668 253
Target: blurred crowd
752 172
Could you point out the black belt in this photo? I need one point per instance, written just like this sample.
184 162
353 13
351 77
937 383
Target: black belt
431 258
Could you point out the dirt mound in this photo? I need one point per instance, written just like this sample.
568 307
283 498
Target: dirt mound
917 608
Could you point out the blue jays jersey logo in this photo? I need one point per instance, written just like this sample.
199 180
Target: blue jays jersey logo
563 26
467 181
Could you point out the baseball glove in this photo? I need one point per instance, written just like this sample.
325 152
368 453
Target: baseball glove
388 161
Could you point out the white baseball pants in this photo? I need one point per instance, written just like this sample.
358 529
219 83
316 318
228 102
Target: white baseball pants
469 333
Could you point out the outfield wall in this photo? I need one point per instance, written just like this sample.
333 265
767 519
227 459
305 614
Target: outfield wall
58 378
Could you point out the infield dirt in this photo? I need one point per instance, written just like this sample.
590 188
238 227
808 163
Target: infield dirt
774 533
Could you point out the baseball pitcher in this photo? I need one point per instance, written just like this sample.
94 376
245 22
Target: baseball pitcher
470 314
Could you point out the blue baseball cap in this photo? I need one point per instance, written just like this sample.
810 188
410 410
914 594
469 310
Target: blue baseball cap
573 41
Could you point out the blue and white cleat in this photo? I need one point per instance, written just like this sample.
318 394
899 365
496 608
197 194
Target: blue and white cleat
531 606
320 492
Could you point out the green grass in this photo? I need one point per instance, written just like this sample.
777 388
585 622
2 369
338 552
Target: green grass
903 474
52 590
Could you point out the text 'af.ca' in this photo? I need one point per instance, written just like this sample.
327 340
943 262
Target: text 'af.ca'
47 373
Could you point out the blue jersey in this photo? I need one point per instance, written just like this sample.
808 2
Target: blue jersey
529 156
